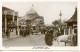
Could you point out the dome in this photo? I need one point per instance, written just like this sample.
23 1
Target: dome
31 11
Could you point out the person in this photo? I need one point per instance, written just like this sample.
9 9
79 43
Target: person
46 37
49 37
2 32
8 33
20 32
24 33
27 32
44 30
55 34
16 32
75 40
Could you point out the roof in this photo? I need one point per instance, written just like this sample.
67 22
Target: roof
5 8
9 11
73 18
22 20
38 17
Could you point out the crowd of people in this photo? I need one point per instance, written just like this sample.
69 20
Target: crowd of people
49 33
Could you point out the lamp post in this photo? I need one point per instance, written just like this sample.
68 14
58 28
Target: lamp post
17 31
5 12
13 16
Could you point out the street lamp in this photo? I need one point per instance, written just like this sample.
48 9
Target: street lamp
5 12
17 31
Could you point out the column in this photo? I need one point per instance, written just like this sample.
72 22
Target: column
72 36
13 16
69 31
5 12
17 24
13 21
73 31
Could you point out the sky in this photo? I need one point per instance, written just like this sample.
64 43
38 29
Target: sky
49 10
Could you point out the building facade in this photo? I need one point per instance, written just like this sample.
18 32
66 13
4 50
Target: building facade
9 19
34 20
71 28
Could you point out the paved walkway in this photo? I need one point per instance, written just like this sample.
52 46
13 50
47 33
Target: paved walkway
12 36
32 40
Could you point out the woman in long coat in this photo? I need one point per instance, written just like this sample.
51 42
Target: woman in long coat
49 37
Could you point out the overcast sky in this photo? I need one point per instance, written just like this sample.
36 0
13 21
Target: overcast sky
49 10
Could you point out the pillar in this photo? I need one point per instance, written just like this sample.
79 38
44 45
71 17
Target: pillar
72 36
17 24
69 31
13 16
13 20
5 12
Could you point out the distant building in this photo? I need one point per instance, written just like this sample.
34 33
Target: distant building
33 19
22 22
33 16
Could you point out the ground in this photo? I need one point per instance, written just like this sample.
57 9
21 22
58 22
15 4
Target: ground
32 40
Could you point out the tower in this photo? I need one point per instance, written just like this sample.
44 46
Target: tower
60 16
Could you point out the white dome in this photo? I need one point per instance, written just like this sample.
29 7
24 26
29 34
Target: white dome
31 11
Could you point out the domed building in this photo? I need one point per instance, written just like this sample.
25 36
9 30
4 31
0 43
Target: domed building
34 20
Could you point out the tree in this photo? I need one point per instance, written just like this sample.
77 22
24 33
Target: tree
56 23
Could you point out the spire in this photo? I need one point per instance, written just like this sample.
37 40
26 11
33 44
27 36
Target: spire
60 15
32 10
32 5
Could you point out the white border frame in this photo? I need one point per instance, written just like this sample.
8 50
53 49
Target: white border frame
30 48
